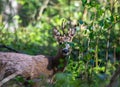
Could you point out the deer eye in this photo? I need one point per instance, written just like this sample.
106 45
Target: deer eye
60 43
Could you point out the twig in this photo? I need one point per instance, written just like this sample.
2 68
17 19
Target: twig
9 78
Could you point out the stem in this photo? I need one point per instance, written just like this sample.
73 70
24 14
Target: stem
40 11
85 12
107 49
96 52
114 53
88 44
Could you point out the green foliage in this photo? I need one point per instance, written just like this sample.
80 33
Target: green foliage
66 80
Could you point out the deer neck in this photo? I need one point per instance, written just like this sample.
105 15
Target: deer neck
59 61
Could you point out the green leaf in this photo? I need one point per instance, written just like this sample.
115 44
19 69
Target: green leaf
101 23
81 22
84 2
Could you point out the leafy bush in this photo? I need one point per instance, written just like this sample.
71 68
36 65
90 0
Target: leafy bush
95 49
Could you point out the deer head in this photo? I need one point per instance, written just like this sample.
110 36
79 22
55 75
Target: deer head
64 35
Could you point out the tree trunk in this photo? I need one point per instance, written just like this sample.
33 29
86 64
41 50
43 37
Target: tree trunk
10 11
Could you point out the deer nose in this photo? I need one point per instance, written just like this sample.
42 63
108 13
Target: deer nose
65 51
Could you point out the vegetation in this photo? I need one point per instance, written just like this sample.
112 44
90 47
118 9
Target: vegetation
95 49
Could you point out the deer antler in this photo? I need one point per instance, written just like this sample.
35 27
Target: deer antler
64 37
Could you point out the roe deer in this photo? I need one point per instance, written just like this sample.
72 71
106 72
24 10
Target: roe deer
27 66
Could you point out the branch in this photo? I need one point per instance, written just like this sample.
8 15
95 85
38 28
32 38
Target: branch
114 78
9 48
40 11
113 24
117 72
8 78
